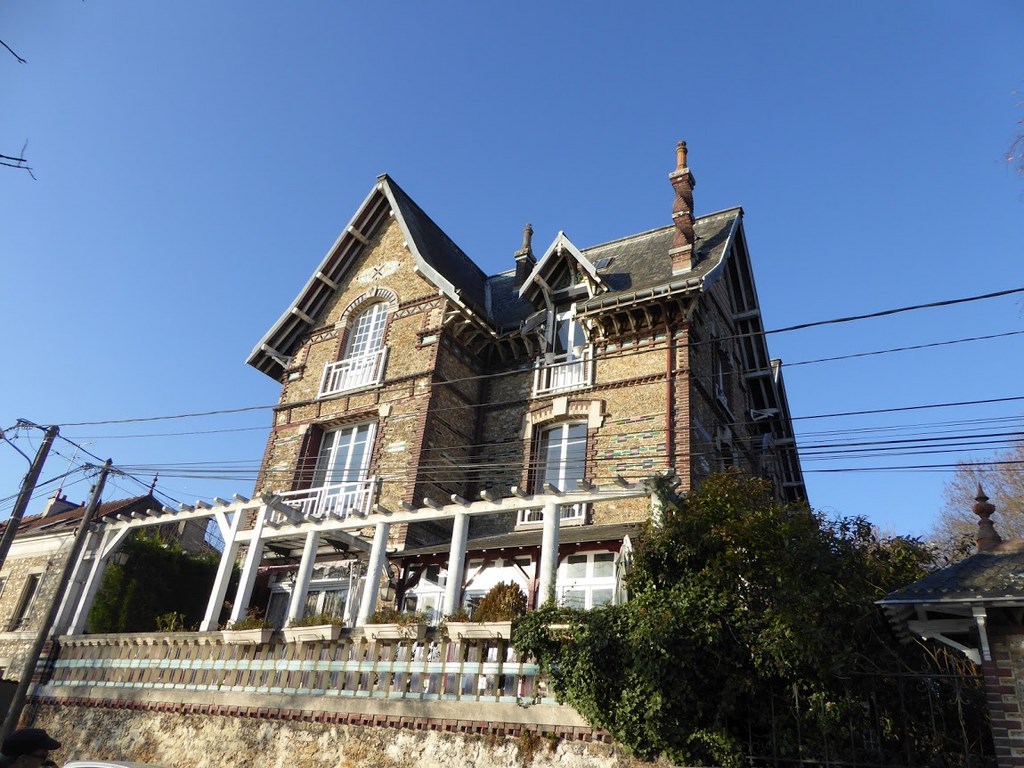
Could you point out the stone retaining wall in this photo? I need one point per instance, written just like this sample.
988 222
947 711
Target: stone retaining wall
201 740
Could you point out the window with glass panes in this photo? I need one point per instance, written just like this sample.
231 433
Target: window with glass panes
367 331
587 580
324 598
563 459
28 597
344 455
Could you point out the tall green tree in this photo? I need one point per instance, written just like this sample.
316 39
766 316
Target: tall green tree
736 601
155 579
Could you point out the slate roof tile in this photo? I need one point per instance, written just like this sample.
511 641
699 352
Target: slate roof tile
992 575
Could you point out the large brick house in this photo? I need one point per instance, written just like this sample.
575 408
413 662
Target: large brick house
411 380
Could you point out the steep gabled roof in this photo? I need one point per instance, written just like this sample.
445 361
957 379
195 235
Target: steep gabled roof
436 255
626 270
561 250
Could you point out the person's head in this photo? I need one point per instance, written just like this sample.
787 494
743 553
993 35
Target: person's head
27 748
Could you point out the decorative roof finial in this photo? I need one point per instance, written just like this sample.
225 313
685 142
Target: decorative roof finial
988 538
152 486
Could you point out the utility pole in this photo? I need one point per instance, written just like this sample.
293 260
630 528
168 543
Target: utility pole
18 702
28 485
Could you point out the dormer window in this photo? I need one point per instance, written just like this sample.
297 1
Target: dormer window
362 362
567 364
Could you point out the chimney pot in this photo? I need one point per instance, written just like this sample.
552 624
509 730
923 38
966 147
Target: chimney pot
525 260
680 155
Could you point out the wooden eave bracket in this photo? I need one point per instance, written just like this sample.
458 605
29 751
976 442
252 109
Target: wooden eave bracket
941 629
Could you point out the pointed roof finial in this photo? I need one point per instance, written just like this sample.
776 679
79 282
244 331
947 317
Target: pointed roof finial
988 538
152 486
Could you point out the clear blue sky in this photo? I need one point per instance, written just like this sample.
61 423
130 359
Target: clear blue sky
195 160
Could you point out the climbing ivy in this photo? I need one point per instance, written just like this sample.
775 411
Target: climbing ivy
155 580
735 600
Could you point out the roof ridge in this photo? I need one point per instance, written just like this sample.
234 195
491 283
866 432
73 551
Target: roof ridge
658 230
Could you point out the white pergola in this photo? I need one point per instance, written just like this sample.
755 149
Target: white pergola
274 521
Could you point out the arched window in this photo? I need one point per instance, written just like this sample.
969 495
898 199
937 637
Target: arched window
367 331
362 362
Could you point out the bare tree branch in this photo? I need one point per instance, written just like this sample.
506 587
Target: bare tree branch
1015 154
18 162
5 45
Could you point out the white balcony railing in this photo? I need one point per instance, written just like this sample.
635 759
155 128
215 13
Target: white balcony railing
353 373
338 501
560 372
567 513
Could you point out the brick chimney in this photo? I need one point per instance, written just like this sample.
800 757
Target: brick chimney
56 504
525 260
683 257
987 539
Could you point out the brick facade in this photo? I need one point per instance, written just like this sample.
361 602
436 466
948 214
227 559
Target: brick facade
463 399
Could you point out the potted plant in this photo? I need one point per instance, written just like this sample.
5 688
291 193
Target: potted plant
392 624
252 629
309 629
493 617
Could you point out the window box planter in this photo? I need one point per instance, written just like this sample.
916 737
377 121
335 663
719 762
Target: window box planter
258 636
312 634
417 631
479 630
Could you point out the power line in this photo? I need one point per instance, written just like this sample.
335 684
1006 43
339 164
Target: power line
644 349
903 349
896 311
904 408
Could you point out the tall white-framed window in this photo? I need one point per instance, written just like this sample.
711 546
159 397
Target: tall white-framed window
366 334
567 363
341 485
344 455
362 360
587 580
562 461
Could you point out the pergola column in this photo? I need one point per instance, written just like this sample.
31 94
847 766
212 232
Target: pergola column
69 600
549 554
456 564
250 567
229 532
378 558
111 541
297 604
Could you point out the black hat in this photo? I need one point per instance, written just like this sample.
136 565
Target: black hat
27 740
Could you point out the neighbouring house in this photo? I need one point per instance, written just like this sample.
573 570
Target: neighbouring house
28 580
976 606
